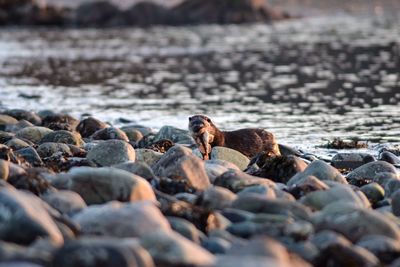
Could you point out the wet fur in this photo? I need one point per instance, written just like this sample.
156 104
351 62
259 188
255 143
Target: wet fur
249 141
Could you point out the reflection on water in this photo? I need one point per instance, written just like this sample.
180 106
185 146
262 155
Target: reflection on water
304 80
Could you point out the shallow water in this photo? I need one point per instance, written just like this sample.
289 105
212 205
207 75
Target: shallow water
306 80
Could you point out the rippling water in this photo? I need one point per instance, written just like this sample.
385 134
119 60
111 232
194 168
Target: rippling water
305 80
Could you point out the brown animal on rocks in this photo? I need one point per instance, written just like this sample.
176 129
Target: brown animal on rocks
248 141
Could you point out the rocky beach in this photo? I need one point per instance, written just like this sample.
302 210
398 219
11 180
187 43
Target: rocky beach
98 166
85 193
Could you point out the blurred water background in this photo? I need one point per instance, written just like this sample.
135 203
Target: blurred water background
332 73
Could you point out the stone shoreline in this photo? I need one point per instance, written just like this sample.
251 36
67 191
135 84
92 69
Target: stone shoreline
106 14
84 193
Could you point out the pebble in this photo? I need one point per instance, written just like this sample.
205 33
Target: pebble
16 144
33 134
351 160
139 168
216 198
148 156
63 136
174 134
4 169
89 126
65 201
374 192
109 133
235 180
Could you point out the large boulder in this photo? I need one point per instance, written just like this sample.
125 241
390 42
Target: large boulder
24 218
121 220
100 185
179 163
111 152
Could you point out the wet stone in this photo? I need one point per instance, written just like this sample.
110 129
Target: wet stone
95 251
374 192
121 220
89 126
367 172
171 249
62 136
109 133
351 160
176 135
230 155
111 152
33 134
389 157
30 155
66 202
321 171
16 144
148 156
100 185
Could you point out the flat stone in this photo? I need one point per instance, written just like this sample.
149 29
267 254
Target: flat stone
351 160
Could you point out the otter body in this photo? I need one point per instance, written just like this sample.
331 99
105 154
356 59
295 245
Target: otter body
249 141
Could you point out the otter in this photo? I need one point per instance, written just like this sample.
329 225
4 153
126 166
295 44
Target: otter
248 141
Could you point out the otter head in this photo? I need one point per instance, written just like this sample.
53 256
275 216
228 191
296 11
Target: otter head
199 124
202 130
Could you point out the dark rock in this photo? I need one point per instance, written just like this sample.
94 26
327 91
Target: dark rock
18 126
216 198
161 146
48 149
60 122
109 133
367 172
396 202
319 199
33 134
30 155
351 160
186 229
216 245
320 170
20 114
89 126
62 136
146 14
236 180
367 222
5 136
111 152
174 134
259 204
98 14
66 202
374 192
100 185
33 180
237 215
281 168
121 220
16 144
139 168
179 164
223 12
95 252
24 218
389 157
384 248
171 249
307 185
391 187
